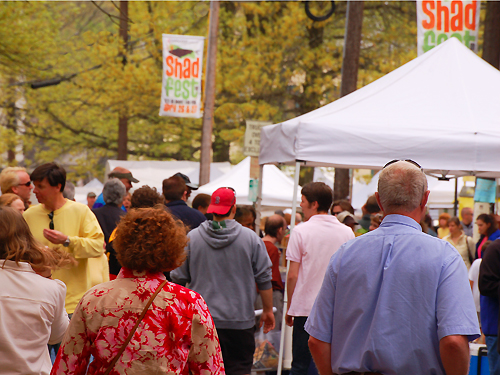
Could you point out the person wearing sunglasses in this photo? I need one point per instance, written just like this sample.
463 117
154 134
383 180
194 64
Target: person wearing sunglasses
15 180
395 300
66 225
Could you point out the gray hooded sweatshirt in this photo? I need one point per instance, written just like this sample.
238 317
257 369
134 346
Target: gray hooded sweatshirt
223 265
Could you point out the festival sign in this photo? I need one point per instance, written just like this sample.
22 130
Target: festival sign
182 71
439 20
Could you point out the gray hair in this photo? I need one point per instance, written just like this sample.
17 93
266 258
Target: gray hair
69 191
401 187
113 192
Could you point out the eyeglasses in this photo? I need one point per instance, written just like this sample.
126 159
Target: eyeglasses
27 184
407 160
51 217
336 213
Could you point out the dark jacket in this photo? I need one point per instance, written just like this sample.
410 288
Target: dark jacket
492 237
189 216
108 217
489 286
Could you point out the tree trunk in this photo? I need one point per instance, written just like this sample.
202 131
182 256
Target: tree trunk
491 45
123 120
208 112
122 137
350 64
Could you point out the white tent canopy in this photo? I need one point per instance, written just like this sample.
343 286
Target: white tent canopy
441 109
153 172
277 188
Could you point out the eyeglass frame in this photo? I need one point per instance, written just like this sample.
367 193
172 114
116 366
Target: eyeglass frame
407 160
27 184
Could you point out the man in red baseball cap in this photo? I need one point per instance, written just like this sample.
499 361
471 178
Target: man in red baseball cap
225 260
221 201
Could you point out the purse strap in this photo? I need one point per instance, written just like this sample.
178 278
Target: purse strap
129 337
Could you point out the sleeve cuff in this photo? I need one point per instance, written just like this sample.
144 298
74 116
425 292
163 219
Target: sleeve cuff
265 285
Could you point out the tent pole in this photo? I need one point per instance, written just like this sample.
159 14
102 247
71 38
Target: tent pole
258 204
284 327
495 207
455 203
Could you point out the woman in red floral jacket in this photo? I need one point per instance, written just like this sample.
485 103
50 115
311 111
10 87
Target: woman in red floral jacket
177 334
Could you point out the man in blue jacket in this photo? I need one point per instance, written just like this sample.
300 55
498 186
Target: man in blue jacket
176 193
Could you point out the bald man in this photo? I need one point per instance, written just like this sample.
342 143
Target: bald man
125 176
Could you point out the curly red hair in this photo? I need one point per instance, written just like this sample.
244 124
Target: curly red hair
150 239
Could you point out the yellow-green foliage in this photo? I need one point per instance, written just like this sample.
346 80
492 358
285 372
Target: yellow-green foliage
273 63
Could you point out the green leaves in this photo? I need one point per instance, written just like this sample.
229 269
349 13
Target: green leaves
273 63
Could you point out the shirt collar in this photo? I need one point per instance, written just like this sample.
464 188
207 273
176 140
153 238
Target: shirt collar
326 217
390 220
178 202
127 273
11 265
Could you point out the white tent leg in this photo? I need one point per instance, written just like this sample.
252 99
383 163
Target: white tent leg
258 204
284 328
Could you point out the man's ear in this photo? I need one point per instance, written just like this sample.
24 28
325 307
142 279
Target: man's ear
315 205
184 195
377 197
425 199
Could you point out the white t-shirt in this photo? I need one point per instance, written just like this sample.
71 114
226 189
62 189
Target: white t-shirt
32 316
312 244
474 277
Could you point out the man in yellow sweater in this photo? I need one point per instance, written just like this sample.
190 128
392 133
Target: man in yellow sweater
58 222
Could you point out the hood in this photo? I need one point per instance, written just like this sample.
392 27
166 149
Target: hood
219 238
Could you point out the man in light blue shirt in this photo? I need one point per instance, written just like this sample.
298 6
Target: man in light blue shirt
395 300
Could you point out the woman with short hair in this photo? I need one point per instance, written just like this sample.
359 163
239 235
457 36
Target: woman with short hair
31 305
176 334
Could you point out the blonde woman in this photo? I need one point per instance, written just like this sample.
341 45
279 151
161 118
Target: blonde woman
463 243
443 229
12 200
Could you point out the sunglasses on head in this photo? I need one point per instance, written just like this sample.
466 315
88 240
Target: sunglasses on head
51 217
407 160
27 184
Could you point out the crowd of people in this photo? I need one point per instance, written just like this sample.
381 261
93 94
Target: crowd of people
148 284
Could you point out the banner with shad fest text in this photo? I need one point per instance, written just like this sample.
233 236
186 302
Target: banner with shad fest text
181 77
437 21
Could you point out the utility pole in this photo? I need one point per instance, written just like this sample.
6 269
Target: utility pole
208 112
350 64
123 119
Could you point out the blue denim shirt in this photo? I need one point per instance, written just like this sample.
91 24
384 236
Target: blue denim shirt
387 299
